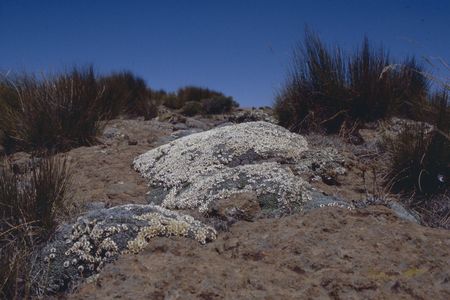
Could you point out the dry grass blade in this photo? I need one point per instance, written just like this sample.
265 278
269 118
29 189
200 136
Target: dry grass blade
29 206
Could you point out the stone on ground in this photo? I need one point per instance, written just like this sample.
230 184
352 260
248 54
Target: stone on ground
81 250
195 171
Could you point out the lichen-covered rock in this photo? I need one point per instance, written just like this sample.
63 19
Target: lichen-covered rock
182 160
320 200
196 170
278 190
80 250
395 126
325 163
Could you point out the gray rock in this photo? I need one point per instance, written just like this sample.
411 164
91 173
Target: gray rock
193 123
278 190
180 126
176 135
80 250
402 212
199 169
111 132
399 210
322 162
96 205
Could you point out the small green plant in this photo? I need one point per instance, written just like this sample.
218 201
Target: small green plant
29 206
192 108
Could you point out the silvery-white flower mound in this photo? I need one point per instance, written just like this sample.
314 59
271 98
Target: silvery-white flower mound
81 249
203 167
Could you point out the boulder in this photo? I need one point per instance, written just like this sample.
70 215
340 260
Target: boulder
81 249
195 171
277 189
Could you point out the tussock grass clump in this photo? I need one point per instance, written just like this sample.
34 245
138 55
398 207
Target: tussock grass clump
51 114
218 105
29 205
419 167
327 89
192 108
420 160
125 93
172 101
194 93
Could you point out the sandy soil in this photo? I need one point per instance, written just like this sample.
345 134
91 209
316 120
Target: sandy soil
102 174
329 253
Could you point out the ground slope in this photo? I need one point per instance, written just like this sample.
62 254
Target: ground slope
327 253
330 253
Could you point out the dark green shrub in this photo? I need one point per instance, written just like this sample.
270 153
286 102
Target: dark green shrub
192 108
218 105
211 100
158 96
29 206
325 89
173 102
193 93
52 114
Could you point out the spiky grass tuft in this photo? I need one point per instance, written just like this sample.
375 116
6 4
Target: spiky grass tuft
29 205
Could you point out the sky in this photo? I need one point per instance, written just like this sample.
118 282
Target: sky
241 48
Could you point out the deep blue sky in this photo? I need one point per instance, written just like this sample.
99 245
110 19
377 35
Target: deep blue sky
239 47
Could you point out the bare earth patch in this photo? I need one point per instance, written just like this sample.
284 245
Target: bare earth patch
328 253
103 173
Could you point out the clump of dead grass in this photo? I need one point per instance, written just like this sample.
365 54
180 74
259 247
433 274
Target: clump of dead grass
29 207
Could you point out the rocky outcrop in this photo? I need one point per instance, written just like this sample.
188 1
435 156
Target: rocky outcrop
198 170
235 172
81 249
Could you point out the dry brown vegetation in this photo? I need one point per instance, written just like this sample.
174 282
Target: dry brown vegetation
29 205
326 89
